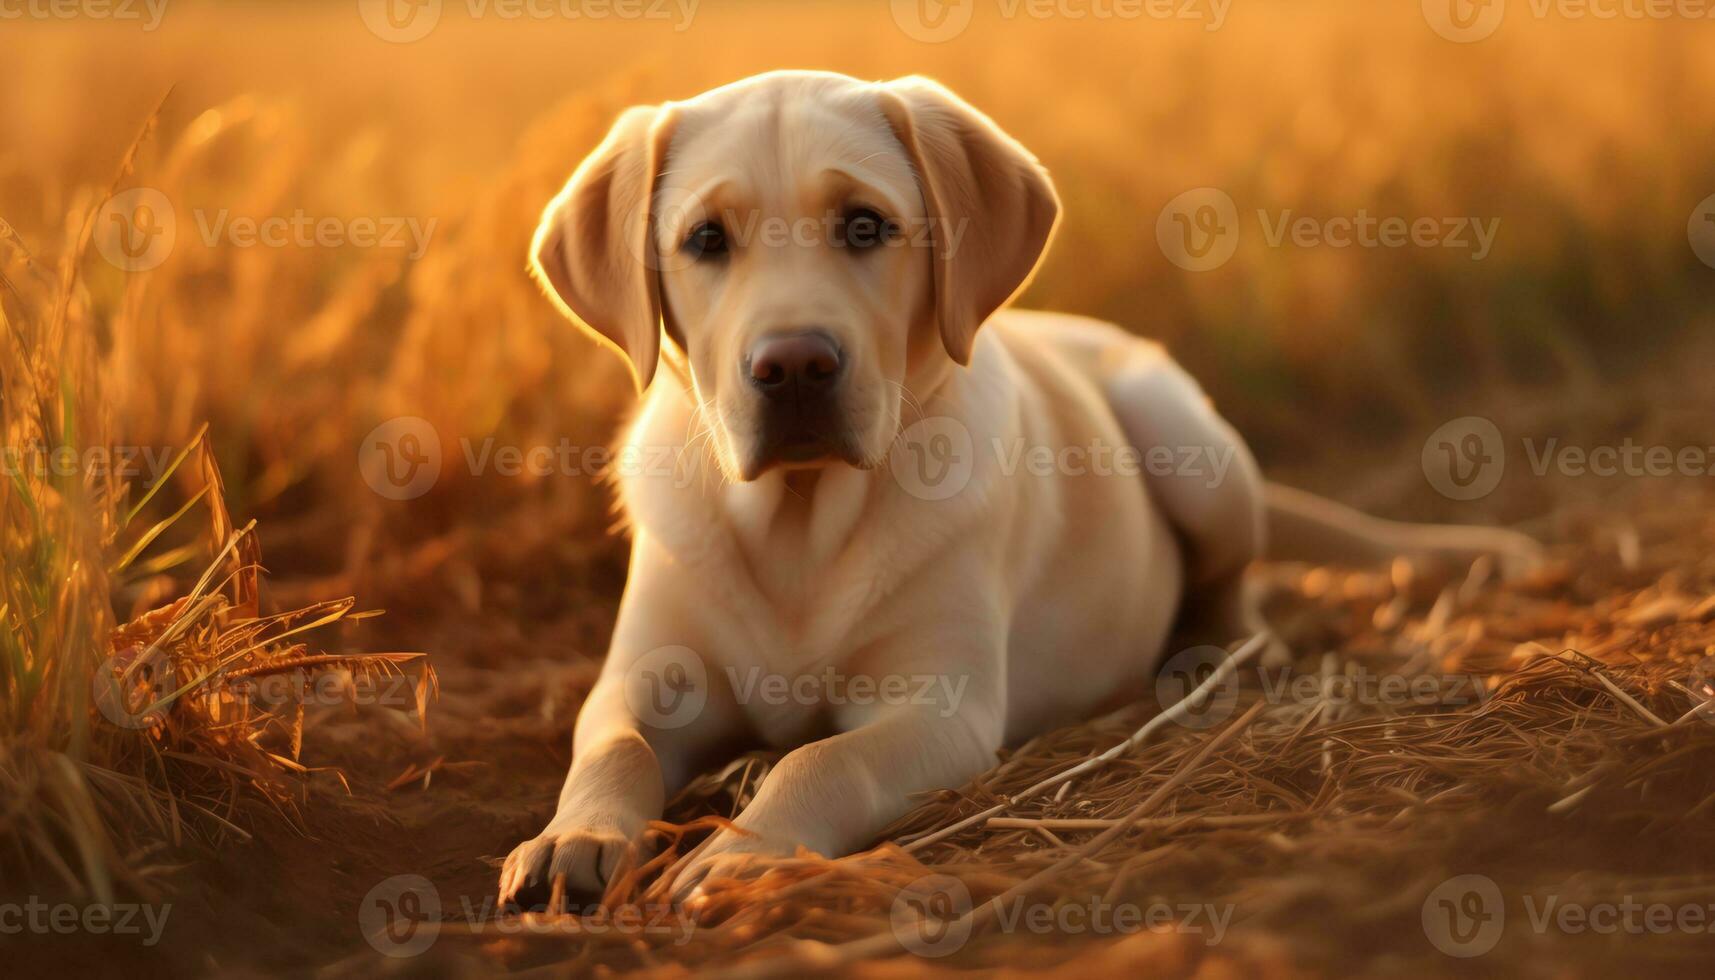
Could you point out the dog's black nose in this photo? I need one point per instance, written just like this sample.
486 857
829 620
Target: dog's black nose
785 364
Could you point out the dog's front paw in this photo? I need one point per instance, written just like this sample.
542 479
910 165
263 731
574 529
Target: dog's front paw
585 850
730 854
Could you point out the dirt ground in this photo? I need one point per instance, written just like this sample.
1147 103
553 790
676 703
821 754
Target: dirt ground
1338 894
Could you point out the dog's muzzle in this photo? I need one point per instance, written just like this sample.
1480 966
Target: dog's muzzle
798 378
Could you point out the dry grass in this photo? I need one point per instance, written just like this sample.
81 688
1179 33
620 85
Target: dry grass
120 733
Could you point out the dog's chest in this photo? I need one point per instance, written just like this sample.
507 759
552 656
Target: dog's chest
796 672
785 708
795 666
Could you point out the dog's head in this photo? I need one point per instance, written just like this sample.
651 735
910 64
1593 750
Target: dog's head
805 251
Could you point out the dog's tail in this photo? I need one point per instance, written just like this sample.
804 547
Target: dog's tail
1305 527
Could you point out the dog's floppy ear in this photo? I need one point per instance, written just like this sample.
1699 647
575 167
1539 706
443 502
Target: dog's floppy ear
992 208
593 249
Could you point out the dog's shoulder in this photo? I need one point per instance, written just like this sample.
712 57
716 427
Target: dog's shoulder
1082 339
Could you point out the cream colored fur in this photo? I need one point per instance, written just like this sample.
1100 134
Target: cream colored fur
1035 598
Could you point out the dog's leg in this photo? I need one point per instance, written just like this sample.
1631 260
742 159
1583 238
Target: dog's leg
1305 527
1203 477
942 728
1199 471
835 795
624 766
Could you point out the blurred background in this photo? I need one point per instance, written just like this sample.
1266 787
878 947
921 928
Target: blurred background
1583 146
1356 223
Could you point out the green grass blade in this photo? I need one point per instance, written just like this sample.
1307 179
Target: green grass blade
161 480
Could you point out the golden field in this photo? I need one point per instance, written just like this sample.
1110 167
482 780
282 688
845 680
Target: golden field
1587 145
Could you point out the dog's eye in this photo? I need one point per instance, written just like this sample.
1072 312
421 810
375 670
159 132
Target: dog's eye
707 239
865 229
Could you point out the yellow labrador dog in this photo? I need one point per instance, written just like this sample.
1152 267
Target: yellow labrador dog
901 527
